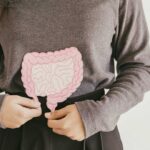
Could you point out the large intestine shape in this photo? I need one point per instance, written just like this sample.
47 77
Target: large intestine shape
53 74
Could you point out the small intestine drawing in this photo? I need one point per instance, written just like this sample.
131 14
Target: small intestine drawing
53 74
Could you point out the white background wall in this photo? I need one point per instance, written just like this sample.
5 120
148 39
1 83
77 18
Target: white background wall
134 125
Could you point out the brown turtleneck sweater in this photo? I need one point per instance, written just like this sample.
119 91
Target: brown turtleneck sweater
103 31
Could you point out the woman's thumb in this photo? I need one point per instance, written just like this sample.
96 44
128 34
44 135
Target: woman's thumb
57 114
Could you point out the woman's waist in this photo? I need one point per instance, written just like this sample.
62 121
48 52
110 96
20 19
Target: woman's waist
41 120
94 95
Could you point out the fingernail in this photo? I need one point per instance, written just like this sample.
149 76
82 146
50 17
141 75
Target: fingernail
47 115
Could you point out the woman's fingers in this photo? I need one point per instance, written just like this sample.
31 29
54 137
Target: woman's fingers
28 102
30 112
17 110
71 125
59 131
54 123
57 114
64 132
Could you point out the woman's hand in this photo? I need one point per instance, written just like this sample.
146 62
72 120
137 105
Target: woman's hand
67 121
17 110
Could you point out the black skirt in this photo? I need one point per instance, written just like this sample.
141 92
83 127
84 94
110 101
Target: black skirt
36 135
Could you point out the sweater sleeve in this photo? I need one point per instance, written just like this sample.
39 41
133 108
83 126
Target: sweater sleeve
1 99
132 52
2 95
2 3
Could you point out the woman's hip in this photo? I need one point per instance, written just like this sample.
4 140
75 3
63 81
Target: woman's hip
36 135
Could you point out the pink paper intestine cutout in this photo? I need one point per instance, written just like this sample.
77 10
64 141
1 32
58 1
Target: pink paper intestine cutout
53 74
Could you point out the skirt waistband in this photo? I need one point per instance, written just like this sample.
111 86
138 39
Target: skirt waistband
95 95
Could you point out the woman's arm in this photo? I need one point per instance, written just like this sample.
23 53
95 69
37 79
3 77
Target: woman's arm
2 3
132 52
2 95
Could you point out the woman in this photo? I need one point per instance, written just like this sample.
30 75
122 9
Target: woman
103 31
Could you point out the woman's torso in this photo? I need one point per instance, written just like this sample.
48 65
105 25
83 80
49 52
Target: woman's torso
29 25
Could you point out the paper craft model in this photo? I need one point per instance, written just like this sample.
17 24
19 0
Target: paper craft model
53 74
